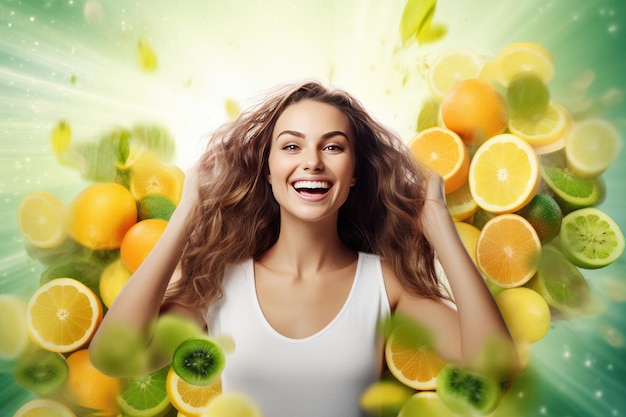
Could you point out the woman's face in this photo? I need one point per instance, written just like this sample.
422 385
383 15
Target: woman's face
311 160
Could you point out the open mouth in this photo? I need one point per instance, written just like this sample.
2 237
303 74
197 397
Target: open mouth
312 187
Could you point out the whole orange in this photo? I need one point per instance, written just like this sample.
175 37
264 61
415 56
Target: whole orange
86 386
475 110
139 241
101 214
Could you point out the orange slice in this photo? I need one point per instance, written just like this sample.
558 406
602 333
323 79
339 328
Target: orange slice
504 174
508 250
412 360
444 152
190 400
63 315
150 176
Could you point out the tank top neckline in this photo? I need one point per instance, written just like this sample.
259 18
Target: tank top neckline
319 333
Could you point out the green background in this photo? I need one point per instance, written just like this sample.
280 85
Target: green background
77 60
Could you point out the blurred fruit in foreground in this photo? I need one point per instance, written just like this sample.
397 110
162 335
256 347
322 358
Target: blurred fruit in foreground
87 387
101 214
504 174
466 392
545 215
191 400
508 250
425 403
451 67
139 241
232 404
444 152
561 284
590 238
384 398
526 313
44 407
475 110
523 58
63 315
411 358
41 219
40 371
13 328
170 331
120 351
145 395
592 146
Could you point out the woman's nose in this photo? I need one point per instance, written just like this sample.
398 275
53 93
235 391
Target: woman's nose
312 160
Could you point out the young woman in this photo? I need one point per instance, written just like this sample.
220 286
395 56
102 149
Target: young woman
303 226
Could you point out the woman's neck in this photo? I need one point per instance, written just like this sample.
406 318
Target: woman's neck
307 248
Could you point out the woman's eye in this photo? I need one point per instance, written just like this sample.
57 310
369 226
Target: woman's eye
334 148
290 147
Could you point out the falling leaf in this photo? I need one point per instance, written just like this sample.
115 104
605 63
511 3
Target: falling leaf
61 136
232 108
147 57
415 15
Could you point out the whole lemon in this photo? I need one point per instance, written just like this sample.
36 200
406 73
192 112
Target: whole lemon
526 313
101 214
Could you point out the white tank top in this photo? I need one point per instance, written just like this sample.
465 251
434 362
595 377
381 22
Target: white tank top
320 375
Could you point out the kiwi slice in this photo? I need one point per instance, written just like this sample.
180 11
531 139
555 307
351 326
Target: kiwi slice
40 371
198 361
467 392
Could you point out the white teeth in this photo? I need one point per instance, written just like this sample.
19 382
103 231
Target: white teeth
311 184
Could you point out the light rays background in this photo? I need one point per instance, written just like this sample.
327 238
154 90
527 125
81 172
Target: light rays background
76 60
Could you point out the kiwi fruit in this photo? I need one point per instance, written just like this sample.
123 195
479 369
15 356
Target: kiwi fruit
198 361
40 371
170 331
467 392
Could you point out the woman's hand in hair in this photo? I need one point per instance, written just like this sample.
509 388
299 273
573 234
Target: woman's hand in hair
434 211
190 194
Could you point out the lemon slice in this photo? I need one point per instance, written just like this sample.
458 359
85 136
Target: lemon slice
523 58
504 174
542 129
41 219
451 67
592 147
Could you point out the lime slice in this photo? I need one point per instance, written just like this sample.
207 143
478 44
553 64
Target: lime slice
571 191
145 396
561 283
592 146
590 238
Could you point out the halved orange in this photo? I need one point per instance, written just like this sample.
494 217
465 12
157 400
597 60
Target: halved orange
412 359
508 250
444 152
63 315
504 174
188 399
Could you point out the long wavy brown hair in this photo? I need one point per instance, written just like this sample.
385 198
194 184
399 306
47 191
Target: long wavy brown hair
237 217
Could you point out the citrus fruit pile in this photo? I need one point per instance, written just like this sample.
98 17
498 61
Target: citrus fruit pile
88 250
523 181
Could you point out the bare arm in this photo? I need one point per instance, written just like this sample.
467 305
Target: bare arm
461 335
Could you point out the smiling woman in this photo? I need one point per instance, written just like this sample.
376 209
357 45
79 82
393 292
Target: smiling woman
282 248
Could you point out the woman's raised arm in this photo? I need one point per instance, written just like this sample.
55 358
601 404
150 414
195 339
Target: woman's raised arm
127 326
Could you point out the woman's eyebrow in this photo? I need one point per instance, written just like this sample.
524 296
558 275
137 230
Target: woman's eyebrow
301 135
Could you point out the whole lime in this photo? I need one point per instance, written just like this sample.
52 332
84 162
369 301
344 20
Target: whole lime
545 215
155 206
